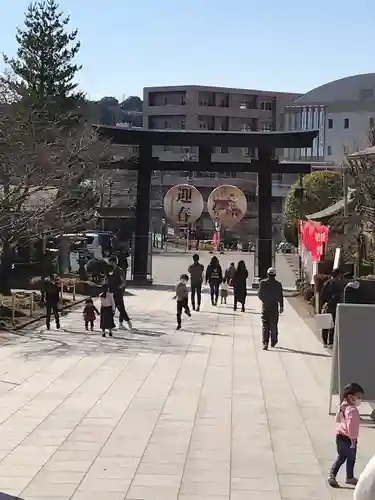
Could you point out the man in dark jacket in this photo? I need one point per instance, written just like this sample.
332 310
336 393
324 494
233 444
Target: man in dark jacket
52 297
331 294
116 284
271 294
196 279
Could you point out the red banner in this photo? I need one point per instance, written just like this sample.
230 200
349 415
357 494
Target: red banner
313 237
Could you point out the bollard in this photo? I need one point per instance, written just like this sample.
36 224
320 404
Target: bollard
31 303
74 291
13 309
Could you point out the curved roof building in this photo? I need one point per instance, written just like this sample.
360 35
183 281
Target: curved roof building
356 88
343 111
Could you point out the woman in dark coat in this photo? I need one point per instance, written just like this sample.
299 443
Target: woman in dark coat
239 285
214 276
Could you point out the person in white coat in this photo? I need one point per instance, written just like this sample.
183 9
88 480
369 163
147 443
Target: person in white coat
365 489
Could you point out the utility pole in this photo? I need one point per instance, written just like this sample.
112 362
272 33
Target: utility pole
162 221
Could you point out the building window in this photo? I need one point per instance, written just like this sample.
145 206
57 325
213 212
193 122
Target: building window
266 105
329 150
167 124
224 149
165 101
183 100
346 123
330 123
183 124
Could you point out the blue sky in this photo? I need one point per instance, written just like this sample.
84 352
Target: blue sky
277 45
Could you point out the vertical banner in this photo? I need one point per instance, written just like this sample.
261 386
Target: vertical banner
313 236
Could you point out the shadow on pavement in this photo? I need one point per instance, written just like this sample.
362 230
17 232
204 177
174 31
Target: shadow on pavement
217 312
153 332
208 333
4 496
305 353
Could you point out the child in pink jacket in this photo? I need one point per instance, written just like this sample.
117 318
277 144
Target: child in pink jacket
347 431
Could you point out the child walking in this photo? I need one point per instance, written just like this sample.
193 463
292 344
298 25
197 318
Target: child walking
347 431
223 293
107 311
89 314
182 296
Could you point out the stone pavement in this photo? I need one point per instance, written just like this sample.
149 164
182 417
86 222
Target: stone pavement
167 267
199 414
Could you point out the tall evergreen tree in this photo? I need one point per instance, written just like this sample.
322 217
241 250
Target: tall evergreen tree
44 63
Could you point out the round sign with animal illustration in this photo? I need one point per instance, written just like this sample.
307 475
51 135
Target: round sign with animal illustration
227 204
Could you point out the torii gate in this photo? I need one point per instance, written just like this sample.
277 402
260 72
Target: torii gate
265 165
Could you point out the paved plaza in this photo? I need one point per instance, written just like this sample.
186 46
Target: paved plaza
167 267
155 414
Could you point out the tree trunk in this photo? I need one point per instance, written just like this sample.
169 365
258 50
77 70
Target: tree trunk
6 270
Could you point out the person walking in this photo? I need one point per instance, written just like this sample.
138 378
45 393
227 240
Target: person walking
347 431
52 297
196 271
107 311
271 295
229 273
89 314
331 295
239 285
116 285
122 260
182 297
214 276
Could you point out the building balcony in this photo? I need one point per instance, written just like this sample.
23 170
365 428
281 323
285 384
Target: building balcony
168 110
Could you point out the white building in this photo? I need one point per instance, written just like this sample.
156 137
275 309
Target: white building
342 111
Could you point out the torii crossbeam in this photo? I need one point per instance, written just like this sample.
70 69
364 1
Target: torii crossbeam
265 165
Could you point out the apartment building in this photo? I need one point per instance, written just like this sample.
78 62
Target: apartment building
215 108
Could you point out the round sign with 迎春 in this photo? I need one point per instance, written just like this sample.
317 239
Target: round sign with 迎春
227 205
183 204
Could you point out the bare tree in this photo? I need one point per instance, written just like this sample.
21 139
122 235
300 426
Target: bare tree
47 174
351 230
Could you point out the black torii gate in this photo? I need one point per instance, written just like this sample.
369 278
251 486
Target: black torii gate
265 165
